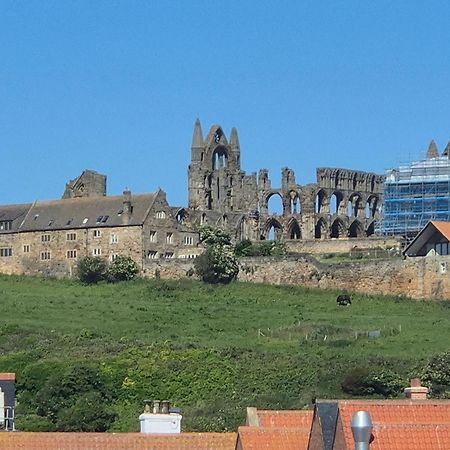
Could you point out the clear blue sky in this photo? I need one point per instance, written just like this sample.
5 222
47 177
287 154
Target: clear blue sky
116 86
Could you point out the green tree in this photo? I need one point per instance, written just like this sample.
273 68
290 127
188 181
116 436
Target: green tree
123 268
92 269
217 264
436 375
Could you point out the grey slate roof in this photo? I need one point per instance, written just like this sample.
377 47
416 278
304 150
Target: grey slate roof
15 214
73 212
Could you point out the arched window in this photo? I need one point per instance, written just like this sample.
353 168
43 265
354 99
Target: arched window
220 158
335 201
320 202
274 204
320 229
338 229
273 230
356 229
294 203
294 230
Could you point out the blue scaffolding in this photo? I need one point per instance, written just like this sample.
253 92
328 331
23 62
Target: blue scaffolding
414 194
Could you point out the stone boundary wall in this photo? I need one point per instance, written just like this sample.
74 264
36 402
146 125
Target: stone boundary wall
419 278
342 245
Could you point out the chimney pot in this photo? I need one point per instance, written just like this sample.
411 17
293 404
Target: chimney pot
156 406
165 407
416 391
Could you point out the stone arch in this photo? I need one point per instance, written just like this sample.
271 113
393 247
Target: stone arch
271 206
220 158
294 230
370 229
320 201
181 216
335 202
273 230
356 229
295 206
338 229
354 205
321 229
371 206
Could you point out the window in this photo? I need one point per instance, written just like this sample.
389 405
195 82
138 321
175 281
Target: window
5 252
97 233
85 220
5 225
169 238
114 239
26 248
45 238
113 257
152 236
152 254
168 255
45 256
161 215
188 240
71 237
71 254
97 251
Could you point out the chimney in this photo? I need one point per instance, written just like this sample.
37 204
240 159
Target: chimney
7 401
159 418
416 391
127 207
361 430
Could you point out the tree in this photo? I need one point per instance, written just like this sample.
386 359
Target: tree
123 268
217 264
92 269
436 375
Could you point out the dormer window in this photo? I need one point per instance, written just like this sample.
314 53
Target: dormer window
161 215
5 225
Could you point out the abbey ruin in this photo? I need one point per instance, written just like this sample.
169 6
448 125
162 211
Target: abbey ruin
48 237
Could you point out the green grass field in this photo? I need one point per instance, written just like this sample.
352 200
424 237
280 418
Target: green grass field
211 350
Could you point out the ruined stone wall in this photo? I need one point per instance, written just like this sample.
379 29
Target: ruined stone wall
415 278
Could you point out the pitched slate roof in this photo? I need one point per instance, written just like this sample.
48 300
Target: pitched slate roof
72 212
425 234
116 441
15 214
401 424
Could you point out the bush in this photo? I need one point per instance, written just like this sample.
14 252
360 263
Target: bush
217 264
123 268
264 248
92 269
436 375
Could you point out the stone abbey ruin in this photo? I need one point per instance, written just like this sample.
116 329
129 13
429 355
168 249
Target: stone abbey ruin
48 237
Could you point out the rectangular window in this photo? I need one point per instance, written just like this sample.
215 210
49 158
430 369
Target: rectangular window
71 237
152 236
188 240
45 238
152 254
97 233
160 215
5 225
71 254
169 238
97 251
114 239
113 257
45 256
5 252
168 255
26 248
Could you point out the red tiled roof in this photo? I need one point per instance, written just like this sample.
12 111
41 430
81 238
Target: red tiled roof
401 424
443 228
7 376
285 419
256 438
116 441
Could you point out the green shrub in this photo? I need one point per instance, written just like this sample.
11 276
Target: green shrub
217 264
436 375
123 268
92 269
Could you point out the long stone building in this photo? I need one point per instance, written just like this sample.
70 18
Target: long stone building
49 237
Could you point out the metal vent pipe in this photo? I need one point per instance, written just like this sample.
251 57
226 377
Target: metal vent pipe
361 429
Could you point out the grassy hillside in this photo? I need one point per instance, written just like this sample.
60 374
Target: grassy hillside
211 350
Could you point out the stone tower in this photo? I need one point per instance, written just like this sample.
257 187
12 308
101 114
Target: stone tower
216 182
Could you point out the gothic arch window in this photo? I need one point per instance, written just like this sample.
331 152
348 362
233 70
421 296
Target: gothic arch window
335 201
181 216
273 230
295 206
371 206
320 230
320 201
370 229
294 230
220 158
274 204
338 229
354 205
356 229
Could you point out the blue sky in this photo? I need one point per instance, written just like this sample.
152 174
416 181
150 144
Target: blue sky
116 86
